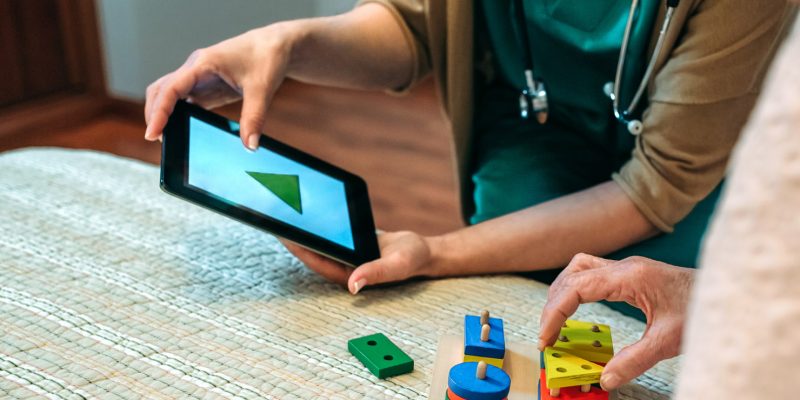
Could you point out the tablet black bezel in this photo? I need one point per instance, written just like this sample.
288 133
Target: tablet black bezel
174 169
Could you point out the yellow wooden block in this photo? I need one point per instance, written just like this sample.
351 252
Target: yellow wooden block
564 369
497 362
586 340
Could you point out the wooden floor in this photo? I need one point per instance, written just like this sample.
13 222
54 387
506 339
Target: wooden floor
400 145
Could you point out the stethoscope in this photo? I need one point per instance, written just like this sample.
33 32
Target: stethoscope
533 99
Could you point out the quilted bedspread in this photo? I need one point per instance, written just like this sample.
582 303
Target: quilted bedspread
110 288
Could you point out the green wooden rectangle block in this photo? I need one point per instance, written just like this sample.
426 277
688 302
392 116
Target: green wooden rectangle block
381 357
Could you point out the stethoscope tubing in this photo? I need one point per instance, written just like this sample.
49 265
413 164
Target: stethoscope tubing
637 98
612 89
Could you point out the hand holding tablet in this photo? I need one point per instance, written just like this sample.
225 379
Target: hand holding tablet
276 188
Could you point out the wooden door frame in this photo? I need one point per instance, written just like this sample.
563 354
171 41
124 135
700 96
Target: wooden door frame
87 96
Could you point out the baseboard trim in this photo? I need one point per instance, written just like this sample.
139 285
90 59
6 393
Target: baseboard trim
54 112
126 108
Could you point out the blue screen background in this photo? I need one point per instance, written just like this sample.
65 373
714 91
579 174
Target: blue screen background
217 164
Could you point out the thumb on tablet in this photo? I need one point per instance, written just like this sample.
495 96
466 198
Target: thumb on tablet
403 255
373 273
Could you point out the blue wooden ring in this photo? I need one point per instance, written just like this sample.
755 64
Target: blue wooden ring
462 381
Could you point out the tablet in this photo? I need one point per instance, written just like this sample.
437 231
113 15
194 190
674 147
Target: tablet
276 188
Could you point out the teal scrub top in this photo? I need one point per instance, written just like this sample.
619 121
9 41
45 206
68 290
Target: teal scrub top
575 46
519 163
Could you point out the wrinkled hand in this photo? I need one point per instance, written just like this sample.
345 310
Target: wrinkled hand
403 255
250 66
660 290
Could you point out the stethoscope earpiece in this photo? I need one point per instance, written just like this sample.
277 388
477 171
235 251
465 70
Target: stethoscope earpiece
635 127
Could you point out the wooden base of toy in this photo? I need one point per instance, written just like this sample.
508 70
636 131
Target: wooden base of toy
521 363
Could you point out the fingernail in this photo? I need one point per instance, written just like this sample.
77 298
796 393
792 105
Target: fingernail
540 345
252 142
609 381
359 285
161 138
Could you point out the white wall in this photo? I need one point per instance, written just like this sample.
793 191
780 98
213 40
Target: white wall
143 39
333 7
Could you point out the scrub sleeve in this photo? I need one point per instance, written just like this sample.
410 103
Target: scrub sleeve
519 163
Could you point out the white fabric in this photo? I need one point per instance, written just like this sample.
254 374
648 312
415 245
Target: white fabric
743 336
110 288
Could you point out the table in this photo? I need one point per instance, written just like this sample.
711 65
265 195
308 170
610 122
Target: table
110 288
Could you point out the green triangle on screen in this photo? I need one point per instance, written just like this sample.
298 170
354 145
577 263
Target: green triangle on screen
286 187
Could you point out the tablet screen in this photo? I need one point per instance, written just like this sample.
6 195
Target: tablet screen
267 183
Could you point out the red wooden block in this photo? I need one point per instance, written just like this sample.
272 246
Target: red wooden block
569 393
452 396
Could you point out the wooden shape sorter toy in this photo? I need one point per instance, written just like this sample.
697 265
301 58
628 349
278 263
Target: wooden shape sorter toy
381 357
477 381
564 369
497 362
571 367
519 361
570 393
483 336
522 365
587 340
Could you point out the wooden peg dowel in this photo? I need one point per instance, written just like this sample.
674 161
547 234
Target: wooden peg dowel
484 317
480 372
485 329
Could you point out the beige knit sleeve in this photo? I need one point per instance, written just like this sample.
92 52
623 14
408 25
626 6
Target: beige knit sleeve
742 339
411 16
699 102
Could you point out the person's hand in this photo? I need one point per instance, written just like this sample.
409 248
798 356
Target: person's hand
250 66
660 290
403 255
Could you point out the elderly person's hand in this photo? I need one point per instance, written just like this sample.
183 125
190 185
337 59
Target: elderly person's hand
660 290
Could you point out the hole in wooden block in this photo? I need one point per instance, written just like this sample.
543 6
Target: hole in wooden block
561 369
557 355
372 343
584 366
597 343
388 357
